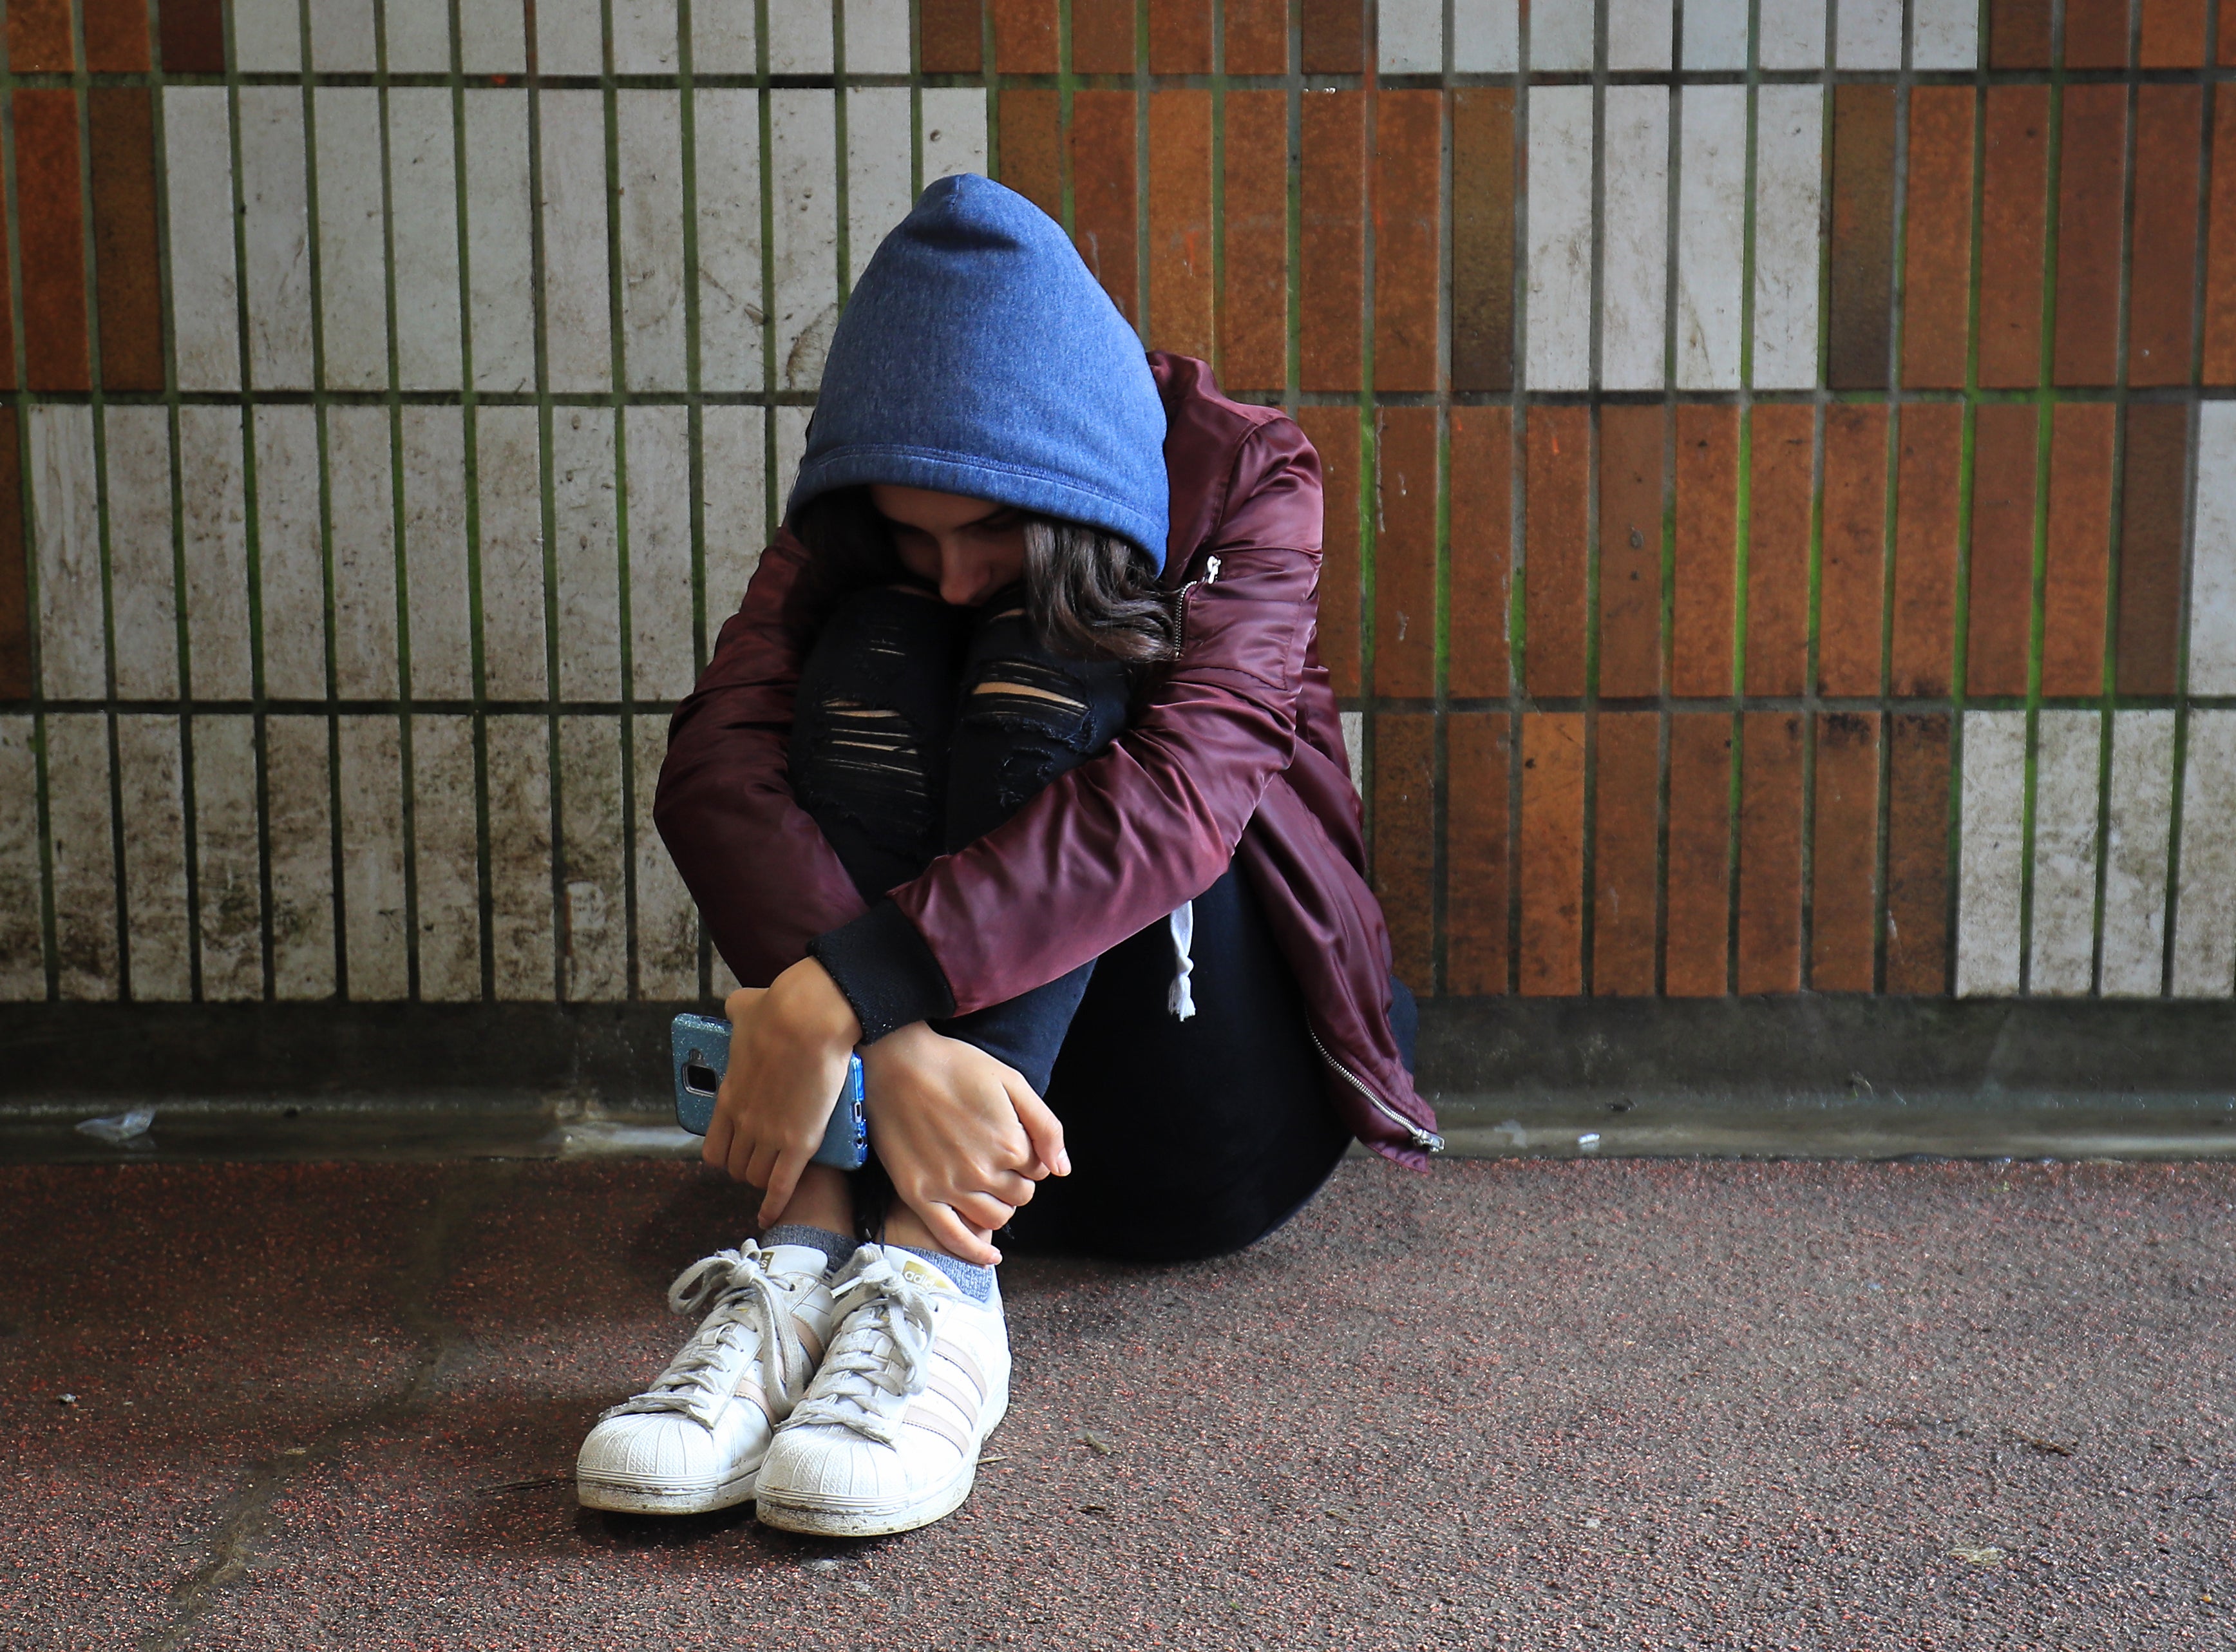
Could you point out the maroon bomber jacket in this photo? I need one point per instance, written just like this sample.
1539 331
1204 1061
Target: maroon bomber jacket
1234 750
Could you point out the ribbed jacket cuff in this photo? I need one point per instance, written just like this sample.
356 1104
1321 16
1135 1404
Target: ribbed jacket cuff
885 971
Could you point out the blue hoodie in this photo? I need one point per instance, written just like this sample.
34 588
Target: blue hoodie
978 356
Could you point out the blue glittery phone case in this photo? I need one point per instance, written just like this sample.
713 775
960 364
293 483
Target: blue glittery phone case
700 1046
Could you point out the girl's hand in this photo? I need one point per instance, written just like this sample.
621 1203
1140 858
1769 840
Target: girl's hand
962 1136
789 1044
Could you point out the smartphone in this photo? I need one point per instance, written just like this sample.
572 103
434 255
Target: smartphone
700 1046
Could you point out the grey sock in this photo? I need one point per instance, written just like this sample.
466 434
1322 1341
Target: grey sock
974 1281
836 1247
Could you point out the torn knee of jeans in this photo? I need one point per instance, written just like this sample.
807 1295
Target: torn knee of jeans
869 765
1027 697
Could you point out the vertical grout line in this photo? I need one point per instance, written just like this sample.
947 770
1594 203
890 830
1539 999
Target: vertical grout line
1517 507
1743 513
1595 394
1960 641
1142 262
694 463
539 264
1369 416
470 443
1440 662
617 313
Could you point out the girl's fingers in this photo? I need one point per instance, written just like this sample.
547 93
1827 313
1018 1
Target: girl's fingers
955 1239
984 1210
1008 1186
784 1179
1045 1129
715 1150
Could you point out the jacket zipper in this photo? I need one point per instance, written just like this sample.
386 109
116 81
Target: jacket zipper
1210 577
1428 1141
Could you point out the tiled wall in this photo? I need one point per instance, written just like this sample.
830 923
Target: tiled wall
1782 518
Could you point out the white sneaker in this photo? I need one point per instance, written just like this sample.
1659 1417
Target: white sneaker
694 1440
888 1436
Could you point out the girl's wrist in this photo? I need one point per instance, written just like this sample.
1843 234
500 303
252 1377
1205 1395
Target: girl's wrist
808 1001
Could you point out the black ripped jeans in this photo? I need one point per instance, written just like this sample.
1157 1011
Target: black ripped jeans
922 727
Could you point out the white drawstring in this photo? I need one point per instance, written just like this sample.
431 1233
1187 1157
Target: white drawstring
1182 999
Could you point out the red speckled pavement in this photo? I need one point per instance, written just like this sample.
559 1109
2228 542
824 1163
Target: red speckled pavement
1510 1405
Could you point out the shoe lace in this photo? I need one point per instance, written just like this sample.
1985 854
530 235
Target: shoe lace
747 1313
883 1350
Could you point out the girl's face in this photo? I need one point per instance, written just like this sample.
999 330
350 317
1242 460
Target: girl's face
969 547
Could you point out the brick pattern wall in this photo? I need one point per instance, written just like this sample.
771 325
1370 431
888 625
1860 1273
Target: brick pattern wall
1781 533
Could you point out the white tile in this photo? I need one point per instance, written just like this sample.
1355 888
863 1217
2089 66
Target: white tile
423 186
214 528
1945 34
723 39
1791 35
803 176
22 935
660 666
2137 828
667 922
1411 36
2205 909
954 131
436 588
1868 35
267 36
1716 33
1561 36
577 338
205 299
352 259
1990 870
418 36
66 551
878 164
569 37
799 40
1634 238
497 240
2213 556
728 163
791 447
878 36
360 485
446 858
1711 235
291 551
1560 273
520 857
650 139
645 37
342 38
1788 203
1639 34
144 575
1354 746
154 829
492 36
595 904
300 816
277 229
1486 36
2067 766
373 929
512 554
733 460
587 563
228 885
82 854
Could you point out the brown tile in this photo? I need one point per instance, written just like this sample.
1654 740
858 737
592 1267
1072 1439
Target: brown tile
1032 152
1631 443
1779 482
1334 37
1554 526
1334 432
1937 259
51 220
39 37
1025 37
128 278
193 38
2000 616
1405 841
2224 53
1482 238
1334 202
2014 210
1845 852
1705 551
1918 853
1552 858
1180 222
1179 36
14 591
1405 553
2151 504
2076 563
1253 330
2221 250
1862 235
1482 555
2018 34
1103 201
1925 548
2173 35
1102 36
1626 807
2095 36
115 36
1474 852
2090 186
1770 851
1695 959
1409 144
1257 36
2169 135
952 39
1852 583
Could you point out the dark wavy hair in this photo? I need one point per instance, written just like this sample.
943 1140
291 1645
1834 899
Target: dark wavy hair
1090 595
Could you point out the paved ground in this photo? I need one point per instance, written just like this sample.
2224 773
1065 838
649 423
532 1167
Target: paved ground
1515 1405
